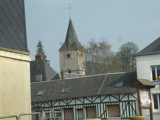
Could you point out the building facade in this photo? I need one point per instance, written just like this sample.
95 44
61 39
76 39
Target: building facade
148 67
14 60
98 96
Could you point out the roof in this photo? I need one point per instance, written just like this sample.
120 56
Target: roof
12 25
71 40
84 86
42 67
151 49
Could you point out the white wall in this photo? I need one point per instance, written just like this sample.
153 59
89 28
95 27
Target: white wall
144 65
15 96
144 71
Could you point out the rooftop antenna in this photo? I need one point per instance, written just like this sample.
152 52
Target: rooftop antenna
69 9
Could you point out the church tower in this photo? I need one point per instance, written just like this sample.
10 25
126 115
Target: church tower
72 58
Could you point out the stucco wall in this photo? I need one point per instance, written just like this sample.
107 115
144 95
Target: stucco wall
144 65
14 83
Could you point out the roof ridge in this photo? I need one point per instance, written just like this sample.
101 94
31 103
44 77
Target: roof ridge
102 84
79 77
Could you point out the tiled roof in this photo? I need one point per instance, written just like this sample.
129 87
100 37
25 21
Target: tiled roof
85 86
12 25
71 40
151 49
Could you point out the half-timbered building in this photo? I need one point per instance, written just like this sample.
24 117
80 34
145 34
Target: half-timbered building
98 96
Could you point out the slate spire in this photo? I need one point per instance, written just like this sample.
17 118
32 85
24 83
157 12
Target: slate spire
71 40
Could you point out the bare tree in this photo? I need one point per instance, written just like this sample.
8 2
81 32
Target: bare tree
100 58
126 56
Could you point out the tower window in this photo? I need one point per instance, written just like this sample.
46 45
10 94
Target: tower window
68 55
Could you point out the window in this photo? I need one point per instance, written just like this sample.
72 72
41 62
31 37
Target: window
80 114
58 115
91 112
65 90
69 71
47 116
113 110
156 100
68 55
119 84
156 72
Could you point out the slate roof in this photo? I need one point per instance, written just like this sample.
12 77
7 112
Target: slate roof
12 25
85 86
151 49
42 67
71 40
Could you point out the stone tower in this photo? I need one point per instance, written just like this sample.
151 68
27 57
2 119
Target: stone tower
72 58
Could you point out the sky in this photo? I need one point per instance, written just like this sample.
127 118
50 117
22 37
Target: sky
118 21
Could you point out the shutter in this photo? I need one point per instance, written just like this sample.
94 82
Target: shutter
68 114
91 112
113 110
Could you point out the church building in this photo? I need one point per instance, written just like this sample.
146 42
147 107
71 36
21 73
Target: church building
72 55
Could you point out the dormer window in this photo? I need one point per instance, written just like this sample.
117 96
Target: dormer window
65 89
119 84
40 93
155 72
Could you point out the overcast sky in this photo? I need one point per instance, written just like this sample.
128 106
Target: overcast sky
118 21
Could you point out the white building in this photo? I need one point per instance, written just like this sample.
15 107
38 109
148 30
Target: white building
148 67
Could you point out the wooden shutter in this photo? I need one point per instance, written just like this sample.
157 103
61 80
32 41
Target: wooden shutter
91 111
68 114
113 110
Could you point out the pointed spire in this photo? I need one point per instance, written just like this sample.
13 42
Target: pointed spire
40 54
71 40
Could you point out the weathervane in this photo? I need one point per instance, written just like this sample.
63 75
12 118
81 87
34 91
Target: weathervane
69 9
